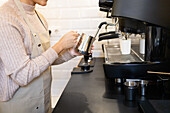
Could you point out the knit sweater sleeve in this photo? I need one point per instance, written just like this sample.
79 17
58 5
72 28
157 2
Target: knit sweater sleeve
63 56
17 63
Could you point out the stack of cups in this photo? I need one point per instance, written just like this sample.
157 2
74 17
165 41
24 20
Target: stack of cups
130 90
143 85
125 46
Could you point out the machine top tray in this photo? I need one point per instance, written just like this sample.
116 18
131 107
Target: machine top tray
113 54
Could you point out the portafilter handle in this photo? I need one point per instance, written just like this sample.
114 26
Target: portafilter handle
86 58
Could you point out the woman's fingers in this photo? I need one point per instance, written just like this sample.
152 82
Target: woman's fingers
76 34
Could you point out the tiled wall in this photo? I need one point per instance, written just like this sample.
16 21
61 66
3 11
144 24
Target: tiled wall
63 16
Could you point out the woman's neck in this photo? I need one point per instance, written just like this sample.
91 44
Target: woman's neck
29 2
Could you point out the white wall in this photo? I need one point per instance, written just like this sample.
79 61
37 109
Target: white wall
2 1
80 15
63 16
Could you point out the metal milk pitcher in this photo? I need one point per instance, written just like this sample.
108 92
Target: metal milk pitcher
84 44
85 41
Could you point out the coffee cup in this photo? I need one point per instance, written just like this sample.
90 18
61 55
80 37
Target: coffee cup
125 46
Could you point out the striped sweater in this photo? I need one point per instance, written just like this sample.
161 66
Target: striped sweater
16 69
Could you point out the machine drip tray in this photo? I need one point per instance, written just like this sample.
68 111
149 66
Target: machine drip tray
113 54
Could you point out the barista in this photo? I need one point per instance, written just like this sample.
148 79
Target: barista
26 56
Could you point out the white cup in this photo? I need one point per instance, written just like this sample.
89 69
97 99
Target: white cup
125 46
142 46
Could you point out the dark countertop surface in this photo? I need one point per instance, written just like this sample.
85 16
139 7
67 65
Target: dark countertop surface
85 94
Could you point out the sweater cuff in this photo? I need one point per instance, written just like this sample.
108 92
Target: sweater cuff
50 55
71 56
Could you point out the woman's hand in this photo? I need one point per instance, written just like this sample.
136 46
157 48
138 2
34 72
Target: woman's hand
69 40
92 48
74 52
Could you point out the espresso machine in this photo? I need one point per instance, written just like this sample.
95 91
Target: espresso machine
149 18
143 17
149 73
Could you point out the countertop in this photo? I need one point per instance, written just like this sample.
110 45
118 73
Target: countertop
85 94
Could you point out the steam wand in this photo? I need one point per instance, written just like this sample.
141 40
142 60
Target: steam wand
84 65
